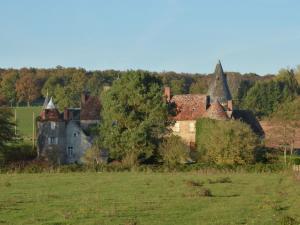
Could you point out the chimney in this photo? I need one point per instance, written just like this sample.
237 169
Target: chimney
207 102
229 105
66 114
167 93
84 97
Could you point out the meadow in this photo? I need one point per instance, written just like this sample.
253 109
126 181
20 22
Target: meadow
25 119
133 198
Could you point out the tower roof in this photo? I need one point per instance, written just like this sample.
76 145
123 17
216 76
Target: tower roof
50 104
219 90
216 111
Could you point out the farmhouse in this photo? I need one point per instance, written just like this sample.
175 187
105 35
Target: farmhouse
217 104
65 136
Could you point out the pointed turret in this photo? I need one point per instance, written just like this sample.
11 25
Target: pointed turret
50 104
216 112
219 90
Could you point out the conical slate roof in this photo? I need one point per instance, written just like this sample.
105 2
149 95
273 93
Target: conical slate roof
219 90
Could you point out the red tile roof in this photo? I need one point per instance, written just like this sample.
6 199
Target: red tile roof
216 111
190 106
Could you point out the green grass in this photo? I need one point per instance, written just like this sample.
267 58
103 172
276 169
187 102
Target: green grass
24 120
149 198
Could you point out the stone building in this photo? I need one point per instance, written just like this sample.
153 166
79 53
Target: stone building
64 137
217 104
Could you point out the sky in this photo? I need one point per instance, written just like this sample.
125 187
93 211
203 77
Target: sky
259 36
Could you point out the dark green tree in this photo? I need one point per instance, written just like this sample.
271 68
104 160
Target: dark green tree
8 86
264 97
134 117
6 127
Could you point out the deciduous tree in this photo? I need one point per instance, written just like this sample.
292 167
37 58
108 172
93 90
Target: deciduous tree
134 117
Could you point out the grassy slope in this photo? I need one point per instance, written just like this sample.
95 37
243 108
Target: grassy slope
24 120
146 198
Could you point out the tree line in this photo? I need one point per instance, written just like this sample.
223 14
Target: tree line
29 86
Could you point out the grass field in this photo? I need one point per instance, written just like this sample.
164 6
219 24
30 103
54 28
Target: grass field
149 198
24 120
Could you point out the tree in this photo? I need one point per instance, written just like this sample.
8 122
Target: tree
134 117
174 151
51 84
264 97
177 86
226 142
27 88
200 86
7 86
69 95
286 122
7 133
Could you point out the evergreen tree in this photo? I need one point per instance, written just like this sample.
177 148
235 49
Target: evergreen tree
6 127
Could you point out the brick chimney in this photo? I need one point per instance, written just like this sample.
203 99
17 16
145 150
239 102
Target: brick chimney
167 93
84 97
229 105
66 114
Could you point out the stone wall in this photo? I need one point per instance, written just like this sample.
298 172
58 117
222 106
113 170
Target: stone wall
186 129
77 142
51 138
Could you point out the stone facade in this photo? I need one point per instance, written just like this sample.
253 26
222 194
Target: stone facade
63 137
186 129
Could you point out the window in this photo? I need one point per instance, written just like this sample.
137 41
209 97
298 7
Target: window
70 151
177 127
53 125
52 140
75 134
192 127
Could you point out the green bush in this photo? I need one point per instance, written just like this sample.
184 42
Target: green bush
297 161
226 142
174 151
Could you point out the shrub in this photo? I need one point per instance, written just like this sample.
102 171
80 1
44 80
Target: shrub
297 161
226 142
205 192
91 156
174 151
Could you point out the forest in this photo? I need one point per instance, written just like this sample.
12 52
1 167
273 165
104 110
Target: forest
29 86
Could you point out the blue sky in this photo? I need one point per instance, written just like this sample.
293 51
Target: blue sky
259 36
